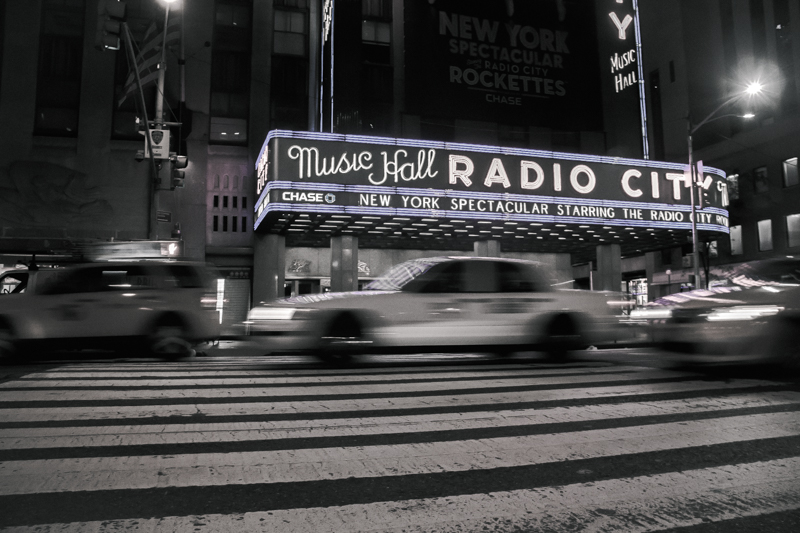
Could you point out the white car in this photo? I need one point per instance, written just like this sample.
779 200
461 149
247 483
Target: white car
754 317
442 304
161 308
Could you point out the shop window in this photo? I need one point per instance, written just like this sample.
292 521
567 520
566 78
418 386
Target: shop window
790 177
760 180
58 86
765 235
216 223
736 240
793 230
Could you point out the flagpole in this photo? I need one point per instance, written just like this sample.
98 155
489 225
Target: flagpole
162 67
148 141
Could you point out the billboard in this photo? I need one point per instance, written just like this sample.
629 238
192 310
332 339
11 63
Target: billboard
331 173
515 62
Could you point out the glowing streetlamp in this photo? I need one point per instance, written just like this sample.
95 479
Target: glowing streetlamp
752 89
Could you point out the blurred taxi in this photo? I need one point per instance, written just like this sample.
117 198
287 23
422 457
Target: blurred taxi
754 317
441 304
164 308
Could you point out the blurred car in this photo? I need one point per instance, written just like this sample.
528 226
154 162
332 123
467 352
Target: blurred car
164 308
754 317
441 304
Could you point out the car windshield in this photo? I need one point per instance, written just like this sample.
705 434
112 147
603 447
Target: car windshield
400 275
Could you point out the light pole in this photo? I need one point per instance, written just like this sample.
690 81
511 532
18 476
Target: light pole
751 90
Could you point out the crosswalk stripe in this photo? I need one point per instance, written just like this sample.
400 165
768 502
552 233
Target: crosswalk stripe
307 407
168 390
287 466
637 504
426 449
29 438
324 374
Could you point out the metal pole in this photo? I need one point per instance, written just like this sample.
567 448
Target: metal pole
333 13
695 251
132 58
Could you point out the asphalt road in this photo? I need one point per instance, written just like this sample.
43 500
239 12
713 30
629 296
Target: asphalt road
617 440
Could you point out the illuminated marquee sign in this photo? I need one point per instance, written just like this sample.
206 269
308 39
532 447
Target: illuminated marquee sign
330 173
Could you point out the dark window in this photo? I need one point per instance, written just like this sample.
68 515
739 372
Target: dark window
216 200
244 202
230 72
381 9
234 223
289 106
377 83
235 200
244 224
216 223
224 201
289 37
224 223
58 84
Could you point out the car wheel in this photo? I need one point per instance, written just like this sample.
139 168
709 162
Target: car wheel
168 340
562 338
341 340
7 348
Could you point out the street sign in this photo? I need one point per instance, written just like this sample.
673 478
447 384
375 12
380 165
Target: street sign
160 144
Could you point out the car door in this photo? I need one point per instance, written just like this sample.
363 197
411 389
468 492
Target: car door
98 301
520 295
427 312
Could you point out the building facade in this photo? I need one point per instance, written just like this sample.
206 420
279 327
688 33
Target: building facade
439 71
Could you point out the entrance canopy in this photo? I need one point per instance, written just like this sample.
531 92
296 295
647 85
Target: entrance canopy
403 193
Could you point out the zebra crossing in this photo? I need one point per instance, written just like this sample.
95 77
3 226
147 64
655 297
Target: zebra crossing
251 444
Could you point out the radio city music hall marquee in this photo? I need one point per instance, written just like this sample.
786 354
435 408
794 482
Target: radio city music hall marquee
306 172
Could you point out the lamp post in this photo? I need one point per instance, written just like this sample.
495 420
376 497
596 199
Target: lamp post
751 90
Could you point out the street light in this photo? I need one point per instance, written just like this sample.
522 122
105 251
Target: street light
752 89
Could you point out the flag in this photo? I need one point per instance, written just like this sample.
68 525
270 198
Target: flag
149 56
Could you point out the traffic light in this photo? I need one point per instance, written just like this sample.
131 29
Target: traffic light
110 14
179 163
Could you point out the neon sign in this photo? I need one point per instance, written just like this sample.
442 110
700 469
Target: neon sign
312 172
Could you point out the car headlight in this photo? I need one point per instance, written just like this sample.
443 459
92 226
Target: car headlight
651 314
271 313
743 312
